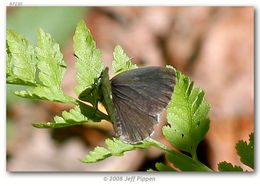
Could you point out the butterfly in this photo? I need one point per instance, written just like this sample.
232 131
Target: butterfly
134 100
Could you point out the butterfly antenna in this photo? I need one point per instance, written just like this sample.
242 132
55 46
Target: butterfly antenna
75 55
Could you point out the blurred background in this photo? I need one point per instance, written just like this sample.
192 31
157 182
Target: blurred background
214 46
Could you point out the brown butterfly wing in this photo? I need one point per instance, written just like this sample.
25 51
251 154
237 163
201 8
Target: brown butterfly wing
139 96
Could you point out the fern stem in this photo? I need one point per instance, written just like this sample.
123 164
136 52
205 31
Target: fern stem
194 156
183 156
159 145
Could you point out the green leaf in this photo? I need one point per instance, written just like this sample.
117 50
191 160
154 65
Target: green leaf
187 116
91 94
98 154
21 60
185 163
180 160
224 166
51 71
51 64
115 147
106 96
121 61
162 167
89 60
79 115
246 151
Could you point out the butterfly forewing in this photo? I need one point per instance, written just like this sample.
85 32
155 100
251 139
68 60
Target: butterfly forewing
139 96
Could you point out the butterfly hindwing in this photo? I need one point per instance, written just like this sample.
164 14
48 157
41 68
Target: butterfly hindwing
139 96
133 126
